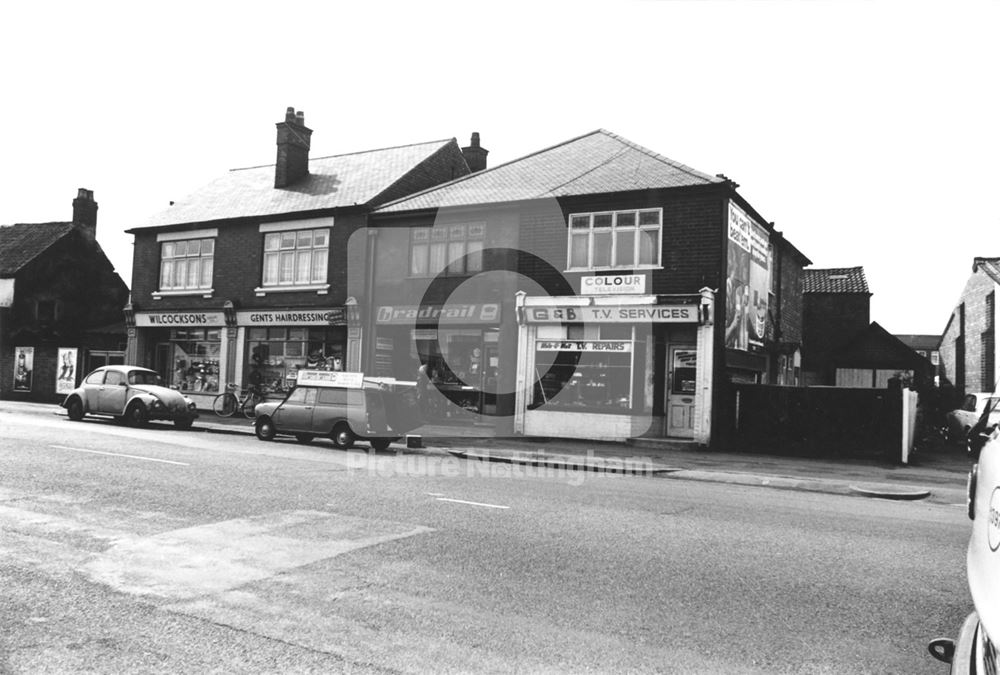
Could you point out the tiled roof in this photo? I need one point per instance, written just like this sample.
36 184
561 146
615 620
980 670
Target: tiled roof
20 244
597 162
835 280
336 181
989 265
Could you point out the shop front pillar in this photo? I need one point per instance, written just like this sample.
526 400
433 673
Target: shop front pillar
704 371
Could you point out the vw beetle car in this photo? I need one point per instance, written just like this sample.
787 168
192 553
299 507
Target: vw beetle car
977 648
131 394
345 407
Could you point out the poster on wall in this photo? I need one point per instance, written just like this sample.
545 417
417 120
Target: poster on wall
66 373
748 280
24 365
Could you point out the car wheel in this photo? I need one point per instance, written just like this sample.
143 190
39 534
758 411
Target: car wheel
304 438
136 415
342 436
75 410
183 422
380 444
264 428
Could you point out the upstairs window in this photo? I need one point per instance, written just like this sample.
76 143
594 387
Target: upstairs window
615 239
296 257
452 250
186 264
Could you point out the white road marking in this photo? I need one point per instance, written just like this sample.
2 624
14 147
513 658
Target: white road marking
435 494
117 454
462 501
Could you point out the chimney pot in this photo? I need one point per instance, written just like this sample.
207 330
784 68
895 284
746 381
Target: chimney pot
85 212
293 149
475 155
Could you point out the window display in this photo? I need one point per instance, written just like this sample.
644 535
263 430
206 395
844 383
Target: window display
594 374
275 355
195 357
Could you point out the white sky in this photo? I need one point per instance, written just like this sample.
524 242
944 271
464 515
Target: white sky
868 132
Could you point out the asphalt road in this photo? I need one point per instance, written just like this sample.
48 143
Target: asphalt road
157 550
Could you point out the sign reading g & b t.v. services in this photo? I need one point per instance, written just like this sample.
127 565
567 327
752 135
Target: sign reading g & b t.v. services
613 314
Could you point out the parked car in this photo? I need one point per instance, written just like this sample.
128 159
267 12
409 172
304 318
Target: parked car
961 420
345 407
131 394
977 648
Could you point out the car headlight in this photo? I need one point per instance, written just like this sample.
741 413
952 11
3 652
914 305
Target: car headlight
191 404
156 404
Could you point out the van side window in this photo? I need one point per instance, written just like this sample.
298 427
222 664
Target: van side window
302 395
329 396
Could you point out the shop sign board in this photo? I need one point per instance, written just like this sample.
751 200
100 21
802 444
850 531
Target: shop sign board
293 317
488 312
616 346
613 314
179 319
748 280
331 378
613 284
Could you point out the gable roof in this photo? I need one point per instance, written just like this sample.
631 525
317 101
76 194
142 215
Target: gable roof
876 347
835 280
598 162
352 179
22 243
926 343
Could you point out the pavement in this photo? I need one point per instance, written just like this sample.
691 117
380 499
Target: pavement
936 472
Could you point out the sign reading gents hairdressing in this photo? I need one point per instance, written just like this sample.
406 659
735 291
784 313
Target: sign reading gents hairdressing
614 314
179 319
293 317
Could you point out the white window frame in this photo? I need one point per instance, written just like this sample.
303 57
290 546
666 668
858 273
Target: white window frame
173 240
277 235
455 238
613 231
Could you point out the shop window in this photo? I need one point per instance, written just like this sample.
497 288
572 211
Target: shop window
588 374
194 353
446 249
615 240
187 264
275 355
296 257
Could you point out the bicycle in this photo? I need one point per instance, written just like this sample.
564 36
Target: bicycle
229 402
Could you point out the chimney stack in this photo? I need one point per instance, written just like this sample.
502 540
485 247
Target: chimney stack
293 149
85 212
475 156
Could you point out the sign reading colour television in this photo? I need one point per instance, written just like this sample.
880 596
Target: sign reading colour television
613 284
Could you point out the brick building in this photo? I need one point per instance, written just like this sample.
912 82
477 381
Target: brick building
836 308
60 305
246 280
593 289
968 347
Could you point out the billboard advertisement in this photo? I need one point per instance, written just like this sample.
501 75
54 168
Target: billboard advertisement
66 374
748 280
24 365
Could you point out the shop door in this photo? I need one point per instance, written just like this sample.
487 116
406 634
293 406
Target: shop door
490 375
681 391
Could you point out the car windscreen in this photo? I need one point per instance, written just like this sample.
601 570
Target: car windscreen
143 377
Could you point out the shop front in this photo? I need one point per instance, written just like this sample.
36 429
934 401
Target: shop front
187 349
200 353
614 367
457 348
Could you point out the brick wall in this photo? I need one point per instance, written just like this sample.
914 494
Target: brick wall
829 321
444 165
979 315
